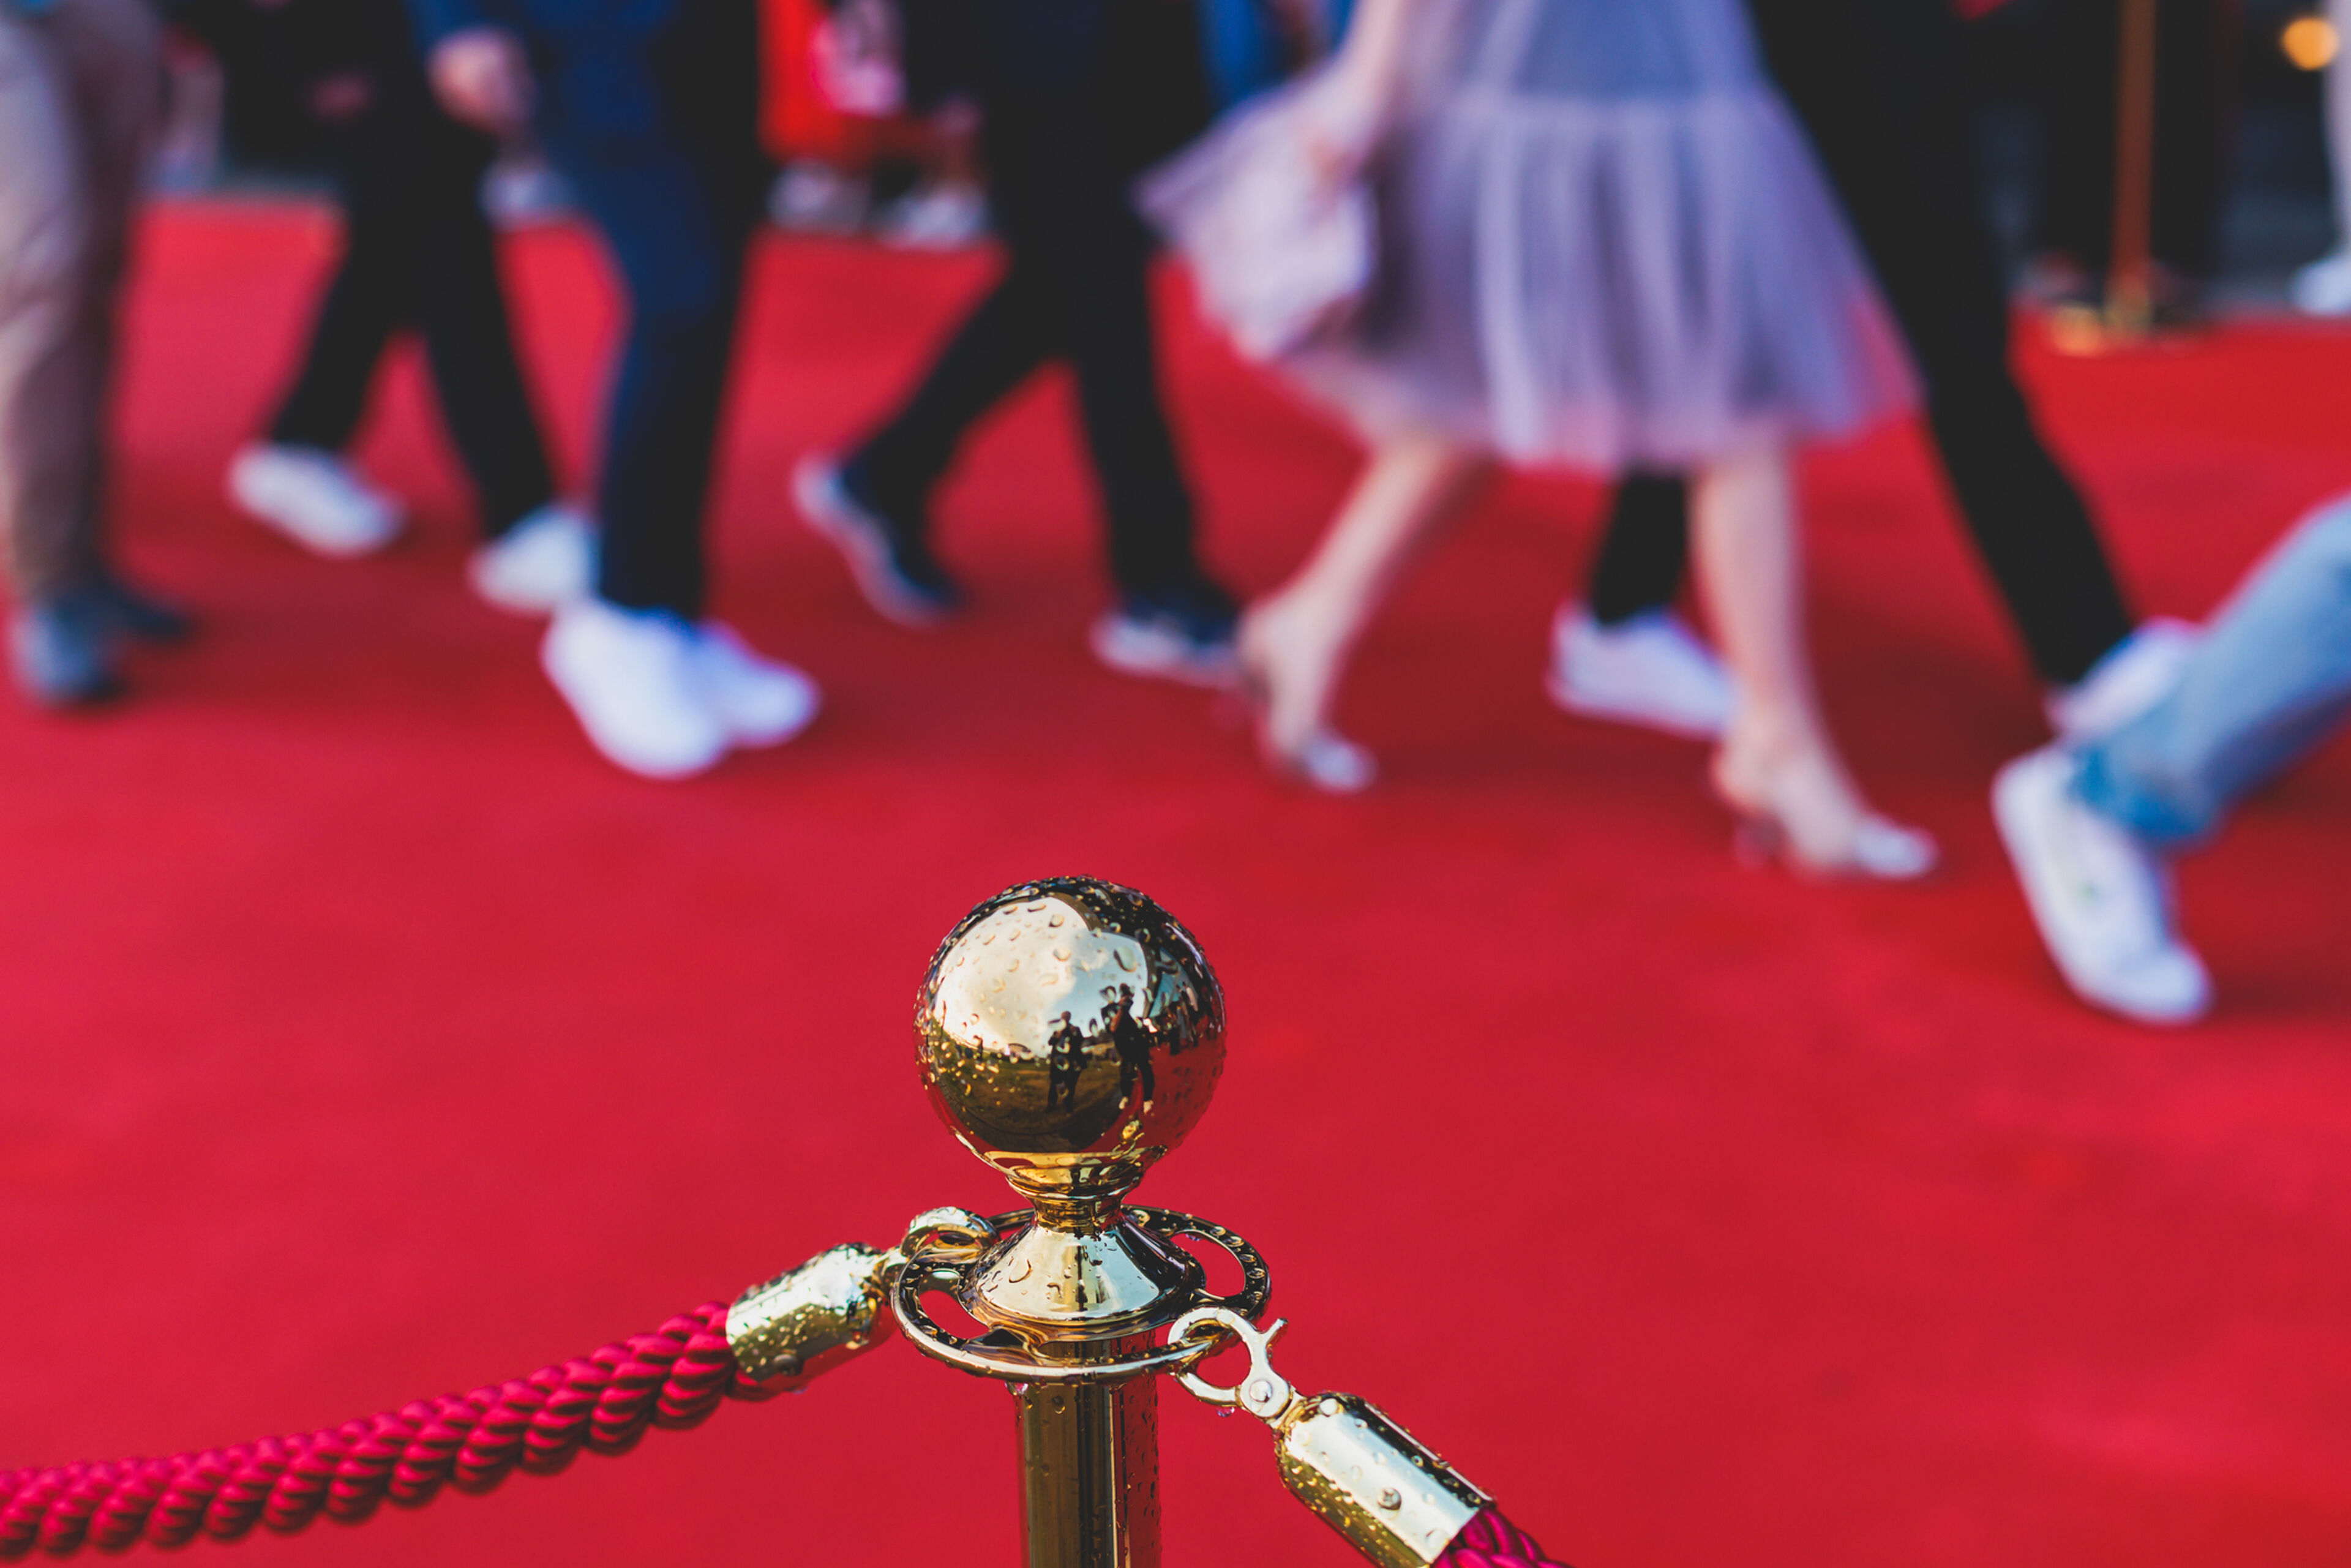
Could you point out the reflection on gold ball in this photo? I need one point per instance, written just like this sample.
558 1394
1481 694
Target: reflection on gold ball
1070 1033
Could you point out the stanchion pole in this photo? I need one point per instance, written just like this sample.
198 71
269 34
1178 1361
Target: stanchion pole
2130 283
1090 1470
1070 1034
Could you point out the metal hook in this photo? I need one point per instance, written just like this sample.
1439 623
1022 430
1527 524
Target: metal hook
1263 1393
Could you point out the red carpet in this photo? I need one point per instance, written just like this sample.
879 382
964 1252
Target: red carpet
367 1039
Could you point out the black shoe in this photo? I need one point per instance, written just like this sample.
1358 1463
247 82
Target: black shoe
133 612
1180 631
888 555
63 653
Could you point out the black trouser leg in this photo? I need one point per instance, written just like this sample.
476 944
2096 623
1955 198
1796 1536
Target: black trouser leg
461 312
1012 331
1144 497
1879 84
677 230
2030 527
418 251
369 300
1076 286
1876 83
1643 549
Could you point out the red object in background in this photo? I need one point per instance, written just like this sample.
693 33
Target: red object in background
796 118
364 1034
1972 9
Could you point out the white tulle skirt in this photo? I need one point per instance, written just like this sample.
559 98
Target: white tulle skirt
1602 242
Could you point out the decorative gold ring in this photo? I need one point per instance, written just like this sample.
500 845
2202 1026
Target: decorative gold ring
1004 1354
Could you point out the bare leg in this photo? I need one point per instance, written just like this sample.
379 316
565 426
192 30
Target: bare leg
1295 642
1777 764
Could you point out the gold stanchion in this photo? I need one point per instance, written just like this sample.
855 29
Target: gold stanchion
2130 282
1070 1034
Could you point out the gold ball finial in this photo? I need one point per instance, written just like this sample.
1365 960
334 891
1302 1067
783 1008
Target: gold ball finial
1070 1034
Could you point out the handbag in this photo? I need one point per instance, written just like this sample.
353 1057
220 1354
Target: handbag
1278 253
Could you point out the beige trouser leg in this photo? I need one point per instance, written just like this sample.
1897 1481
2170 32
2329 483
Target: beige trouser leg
80 88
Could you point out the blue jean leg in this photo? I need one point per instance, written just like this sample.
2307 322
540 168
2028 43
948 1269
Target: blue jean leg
676 221
2271 680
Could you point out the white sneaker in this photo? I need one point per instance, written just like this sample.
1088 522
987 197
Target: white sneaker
542 563
947 215
761 701
1651 670
1134 641
2323 287
2136 673
314 498
815 198
634 681
2102 901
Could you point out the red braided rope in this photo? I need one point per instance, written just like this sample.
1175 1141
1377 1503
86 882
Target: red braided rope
1490 1541
603 1401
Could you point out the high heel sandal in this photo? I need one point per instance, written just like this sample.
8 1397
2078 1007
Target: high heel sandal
1319 756
1775 823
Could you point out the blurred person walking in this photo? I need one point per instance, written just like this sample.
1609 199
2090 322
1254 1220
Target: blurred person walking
1075 96
81 86
1880 86
418 253
1601 242
650 110
2091 827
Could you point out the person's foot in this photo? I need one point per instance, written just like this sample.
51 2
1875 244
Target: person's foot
313 497
1650 670
62 654
1180 631
133 612
761 701
2323 287
810 197
2134 675
542 563
889 556
634 680
2102 901
1287 675
1797 805
947 216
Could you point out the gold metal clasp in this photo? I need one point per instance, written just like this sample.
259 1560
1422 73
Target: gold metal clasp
835 1306
1367 1478
1263 1393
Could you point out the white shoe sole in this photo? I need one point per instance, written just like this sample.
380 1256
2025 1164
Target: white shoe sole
1134 651
762 734
492 582
1570 697
256 500
665 763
